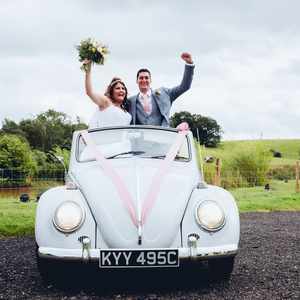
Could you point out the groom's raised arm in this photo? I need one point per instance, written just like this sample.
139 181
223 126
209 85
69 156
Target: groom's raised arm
186 80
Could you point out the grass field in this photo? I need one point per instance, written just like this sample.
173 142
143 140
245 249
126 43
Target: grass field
17 219
250 163
281 196
289 148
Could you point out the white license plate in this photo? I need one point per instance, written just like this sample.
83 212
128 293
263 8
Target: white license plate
138 258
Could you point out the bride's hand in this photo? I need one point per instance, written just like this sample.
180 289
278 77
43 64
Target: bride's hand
86 65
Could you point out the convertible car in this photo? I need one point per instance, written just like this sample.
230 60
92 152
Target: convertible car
134 198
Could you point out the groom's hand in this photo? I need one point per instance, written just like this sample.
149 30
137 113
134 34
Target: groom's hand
187 57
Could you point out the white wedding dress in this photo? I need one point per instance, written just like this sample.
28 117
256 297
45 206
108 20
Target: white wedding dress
110 116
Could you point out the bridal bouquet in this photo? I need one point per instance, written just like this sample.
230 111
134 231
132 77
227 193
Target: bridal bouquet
91 50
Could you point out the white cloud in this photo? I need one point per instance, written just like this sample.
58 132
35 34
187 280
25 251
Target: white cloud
246 55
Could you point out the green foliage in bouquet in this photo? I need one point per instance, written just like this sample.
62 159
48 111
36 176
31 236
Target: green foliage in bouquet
92 50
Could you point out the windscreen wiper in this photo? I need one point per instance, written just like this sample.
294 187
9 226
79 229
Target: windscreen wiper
124 153
162 156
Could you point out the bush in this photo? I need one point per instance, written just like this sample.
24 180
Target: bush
17 165
64 153
251 165
243 167
284 172
48 168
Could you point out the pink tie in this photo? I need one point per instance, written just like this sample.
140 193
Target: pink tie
146 103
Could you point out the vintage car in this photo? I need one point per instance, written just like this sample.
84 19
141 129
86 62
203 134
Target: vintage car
135 198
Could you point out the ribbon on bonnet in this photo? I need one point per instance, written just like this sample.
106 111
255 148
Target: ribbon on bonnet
155 186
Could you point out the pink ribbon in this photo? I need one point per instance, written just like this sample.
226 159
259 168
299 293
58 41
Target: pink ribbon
162 170
114 176
155 186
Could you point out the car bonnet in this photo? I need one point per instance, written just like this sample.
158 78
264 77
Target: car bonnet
116 227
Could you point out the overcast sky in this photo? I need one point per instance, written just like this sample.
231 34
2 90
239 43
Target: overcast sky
247 57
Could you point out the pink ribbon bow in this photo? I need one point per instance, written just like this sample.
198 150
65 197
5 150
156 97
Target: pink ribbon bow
184 126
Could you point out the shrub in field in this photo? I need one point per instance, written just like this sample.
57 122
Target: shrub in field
250 164
233 179
16 161
48 168
246 165
283 172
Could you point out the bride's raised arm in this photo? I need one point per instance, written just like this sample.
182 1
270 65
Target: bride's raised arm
101 100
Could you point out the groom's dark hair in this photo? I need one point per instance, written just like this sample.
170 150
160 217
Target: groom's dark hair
142 70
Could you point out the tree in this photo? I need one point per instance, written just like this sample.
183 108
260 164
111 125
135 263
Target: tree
48 167
11 127
45 131
208 129
16 161
64 153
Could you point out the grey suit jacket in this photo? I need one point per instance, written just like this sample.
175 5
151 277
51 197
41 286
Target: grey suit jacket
164 97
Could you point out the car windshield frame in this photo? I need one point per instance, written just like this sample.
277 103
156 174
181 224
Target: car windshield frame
143 127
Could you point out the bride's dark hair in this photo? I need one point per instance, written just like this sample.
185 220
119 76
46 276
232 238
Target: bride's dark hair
110 88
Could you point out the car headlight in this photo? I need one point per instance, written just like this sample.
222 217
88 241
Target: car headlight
210 215
68 216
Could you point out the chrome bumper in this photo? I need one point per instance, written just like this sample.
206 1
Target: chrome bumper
87 255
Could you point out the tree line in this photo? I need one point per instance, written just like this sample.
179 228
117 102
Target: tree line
28 147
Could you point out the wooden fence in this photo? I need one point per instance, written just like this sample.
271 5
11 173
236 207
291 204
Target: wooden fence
217 177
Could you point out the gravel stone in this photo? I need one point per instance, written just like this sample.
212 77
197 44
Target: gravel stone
266 267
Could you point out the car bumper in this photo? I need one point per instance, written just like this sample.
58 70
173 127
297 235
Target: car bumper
188 253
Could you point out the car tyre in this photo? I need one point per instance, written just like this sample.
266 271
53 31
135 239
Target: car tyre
220 269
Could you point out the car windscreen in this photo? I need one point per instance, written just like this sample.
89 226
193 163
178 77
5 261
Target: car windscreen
131 142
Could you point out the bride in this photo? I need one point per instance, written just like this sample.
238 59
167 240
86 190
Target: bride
112 106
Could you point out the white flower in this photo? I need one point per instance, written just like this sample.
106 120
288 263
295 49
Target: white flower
157 92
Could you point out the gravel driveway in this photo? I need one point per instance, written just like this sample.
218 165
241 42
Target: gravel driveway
267 267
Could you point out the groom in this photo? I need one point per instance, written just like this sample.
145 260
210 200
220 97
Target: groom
152 107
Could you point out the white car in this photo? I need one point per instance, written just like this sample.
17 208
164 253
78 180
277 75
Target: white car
135 198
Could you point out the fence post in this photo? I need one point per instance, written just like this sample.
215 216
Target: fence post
297 177
218 172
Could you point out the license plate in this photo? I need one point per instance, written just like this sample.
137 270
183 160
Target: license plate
138 258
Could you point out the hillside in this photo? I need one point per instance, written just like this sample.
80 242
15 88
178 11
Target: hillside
289 148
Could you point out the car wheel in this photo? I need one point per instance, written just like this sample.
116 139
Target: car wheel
220 268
